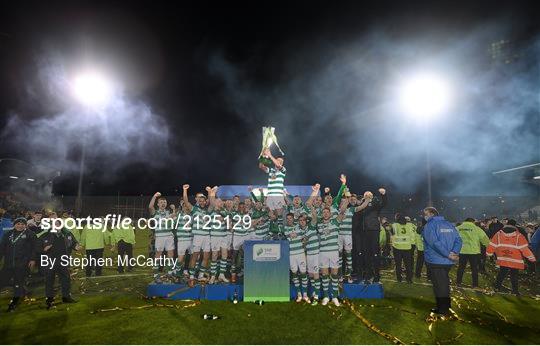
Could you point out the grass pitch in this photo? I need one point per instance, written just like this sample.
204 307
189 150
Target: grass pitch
114 310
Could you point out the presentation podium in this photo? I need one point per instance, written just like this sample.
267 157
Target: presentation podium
266 278
266 270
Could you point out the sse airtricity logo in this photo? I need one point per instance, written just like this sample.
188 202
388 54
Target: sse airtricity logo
266 252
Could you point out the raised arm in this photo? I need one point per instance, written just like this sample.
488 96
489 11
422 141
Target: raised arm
313 217
383 200
268 153
185 198
342 210
362 206
315 191
211 196
337 199
151 205
263 168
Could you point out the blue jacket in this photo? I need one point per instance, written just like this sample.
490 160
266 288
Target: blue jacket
440 238
5 225
535 242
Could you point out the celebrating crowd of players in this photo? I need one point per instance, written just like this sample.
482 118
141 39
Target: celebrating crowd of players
332 239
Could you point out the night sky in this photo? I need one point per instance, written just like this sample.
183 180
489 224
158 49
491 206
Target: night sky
176 59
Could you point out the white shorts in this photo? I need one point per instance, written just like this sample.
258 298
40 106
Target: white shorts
165 243
329 259
345 242
275 202
200 242
218 243
228 240
238 241
183 245
257 237
298 263
313 264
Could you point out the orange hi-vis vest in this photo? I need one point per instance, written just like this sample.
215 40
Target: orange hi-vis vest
510 249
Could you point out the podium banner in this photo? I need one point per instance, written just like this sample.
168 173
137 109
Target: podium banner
266 270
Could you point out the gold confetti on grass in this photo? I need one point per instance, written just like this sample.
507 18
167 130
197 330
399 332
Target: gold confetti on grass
150 306
372 326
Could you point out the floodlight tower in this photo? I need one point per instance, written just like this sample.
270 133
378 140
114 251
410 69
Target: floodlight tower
93 91
425 97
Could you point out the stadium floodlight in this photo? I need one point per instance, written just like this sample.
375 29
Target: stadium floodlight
13 177
424 96
30 179
537 177
92 89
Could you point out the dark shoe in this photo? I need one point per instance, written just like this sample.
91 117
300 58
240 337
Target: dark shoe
68 300
50 303
13 304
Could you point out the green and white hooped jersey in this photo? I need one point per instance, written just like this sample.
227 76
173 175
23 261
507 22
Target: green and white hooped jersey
312 240
296 246
276 181
219 229
198 221
263 227
297 211
237 225
328 235
161 229
183 229
346 225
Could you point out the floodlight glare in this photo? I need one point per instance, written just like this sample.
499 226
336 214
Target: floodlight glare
424 96
92 89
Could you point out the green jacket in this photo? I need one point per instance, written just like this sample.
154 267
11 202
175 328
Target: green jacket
403 236
93 239
472 237
126 234
336 201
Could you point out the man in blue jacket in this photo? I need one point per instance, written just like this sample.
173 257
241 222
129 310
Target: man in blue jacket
442 245
535 248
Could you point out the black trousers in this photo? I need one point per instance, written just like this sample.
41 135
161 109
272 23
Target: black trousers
441 285
63 276
18 275
125 250
419 263
92 256
367 264
482 260
405 257
474 261
503 272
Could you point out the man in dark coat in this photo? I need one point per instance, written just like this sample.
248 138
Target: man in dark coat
18 249
365 232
